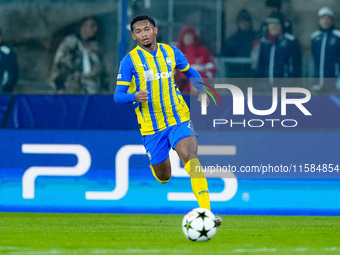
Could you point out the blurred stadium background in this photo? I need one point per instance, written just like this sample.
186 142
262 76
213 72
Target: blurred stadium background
35 28
89 149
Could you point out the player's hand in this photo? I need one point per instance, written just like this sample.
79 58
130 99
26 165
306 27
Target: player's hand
203 95
142 96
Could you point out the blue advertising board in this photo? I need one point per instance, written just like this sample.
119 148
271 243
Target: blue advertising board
4 101
108 171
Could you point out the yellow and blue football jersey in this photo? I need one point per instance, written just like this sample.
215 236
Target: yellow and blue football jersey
154 72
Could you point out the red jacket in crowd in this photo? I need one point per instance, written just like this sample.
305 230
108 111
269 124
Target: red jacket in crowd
198 57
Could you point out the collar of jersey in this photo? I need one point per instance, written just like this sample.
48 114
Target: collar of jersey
141 48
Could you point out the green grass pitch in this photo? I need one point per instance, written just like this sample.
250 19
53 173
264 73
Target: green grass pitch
44 234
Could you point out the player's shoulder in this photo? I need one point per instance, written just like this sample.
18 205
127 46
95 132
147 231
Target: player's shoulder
168 48
131 52
315 34
336 32
164 45
126 62
125 59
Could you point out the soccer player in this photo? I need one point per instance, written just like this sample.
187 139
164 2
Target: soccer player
162 114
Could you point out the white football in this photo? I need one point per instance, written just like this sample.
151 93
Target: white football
199 225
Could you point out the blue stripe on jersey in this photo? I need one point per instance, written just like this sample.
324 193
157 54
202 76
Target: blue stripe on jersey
137 87
149 89
161 92
174 110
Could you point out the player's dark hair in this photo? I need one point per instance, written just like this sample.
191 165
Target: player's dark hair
274 3
140 18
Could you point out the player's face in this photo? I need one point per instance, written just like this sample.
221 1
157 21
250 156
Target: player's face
144 33
274 29
325 22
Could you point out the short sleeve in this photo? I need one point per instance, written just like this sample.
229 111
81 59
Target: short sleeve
125 72
182 63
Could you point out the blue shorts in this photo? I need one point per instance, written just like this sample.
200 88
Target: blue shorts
159 144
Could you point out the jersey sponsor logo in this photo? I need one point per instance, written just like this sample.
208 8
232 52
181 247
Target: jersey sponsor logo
150 75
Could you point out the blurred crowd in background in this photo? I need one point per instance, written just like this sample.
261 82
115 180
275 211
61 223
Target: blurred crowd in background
80 64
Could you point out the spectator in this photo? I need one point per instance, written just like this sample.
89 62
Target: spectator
198 57
274 6
78 65
240 44
280 53
326 51
8 67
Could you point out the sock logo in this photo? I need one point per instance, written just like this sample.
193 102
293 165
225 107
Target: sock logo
203 191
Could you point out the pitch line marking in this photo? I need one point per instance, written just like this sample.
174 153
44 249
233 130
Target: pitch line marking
255 250
24 251
4 248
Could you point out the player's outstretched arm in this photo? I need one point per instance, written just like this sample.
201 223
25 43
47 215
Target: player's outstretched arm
122 97
197 82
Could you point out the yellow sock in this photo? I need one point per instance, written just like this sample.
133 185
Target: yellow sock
154 174
198 183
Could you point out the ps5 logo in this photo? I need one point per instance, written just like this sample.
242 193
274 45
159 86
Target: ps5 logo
122 170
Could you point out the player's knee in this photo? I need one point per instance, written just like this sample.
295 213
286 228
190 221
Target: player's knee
161 176
164 178
185 157
165 181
